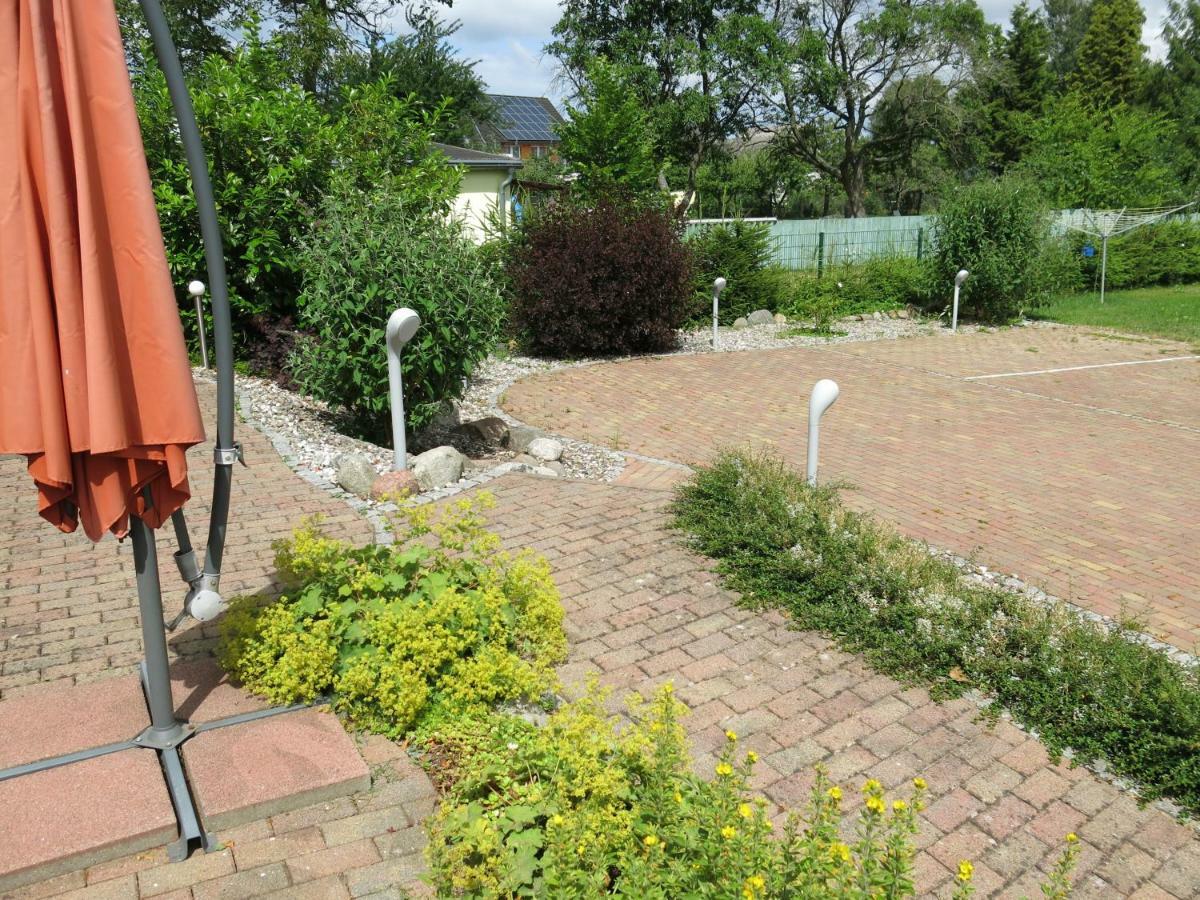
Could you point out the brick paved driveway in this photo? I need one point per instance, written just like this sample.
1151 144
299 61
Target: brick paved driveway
642 609
68 607
1085 481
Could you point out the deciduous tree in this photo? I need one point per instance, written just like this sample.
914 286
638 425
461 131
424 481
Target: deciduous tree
844 55
694 64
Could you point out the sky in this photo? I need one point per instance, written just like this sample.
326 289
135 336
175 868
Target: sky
507 40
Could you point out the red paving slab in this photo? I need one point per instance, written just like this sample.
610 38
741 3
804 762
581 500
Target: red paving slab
82 814
203 692
1094 505
52 721
266 767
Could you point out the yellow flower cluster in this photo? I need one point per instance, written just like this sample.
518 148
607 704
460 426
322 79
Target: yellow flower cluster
754 887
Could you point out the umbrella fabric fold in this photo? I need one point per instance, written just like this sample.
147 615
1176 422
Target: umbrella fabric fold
95 385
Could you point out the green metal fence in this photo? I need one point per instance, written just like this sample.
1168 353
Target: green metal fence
821 243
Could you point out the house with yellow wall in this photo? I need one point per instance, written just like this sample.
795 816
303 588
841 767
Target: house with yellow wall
485 190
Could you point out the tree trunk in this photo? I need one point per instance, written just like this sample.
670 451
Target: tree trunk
854 183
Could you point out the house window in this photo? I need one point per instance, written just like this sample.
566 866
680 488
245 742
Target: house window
514 150
540 152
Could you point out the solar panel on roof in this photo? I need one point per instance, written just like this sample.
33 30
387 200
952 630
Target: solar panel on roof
524 119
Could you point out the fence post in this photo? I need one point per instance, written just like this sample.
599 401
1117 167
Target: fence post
820 253
920 243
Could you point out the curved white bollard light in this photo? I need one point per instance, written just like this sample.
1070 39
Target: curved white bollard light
401 326
196 289
718 286
824 393
958 283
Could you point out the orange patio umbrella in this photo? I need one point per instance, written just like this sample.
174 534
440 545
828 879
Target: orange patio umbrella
97 391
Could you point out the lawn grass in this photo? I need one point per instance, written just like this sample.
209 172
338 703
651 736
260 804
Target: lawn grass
1168 312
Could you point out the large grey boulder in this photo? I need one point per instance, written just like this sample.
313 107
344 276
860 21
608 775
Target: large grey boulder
521 436
545 449
438 467
355 474
491 431
761 317
739 323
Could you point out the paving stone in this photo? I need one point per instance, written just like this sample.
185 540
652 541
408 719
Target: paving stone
73 816
268 766
244 883
174 876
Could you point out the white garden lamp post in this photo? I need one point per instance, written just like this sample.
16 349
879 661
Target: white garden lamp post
958 283
718 286
824 392
196 289
401 326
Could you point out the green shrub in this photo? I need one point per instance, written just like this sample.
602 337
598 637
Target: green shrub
579 809
741 254
598 279
890 282
436 626
1079 683
997 230
273 151
368 254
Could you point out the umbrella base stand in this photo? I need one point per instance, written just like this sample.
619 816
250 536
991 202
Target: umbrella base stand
166 733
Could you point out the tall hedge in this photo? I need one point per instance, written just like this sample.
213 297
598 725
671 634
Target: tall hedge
998 230
739 252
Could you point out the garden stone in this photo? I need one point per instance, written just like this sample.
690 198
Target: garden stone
545 449
780 319
902 314
761 317
355 474
491 431
545 472
877 316
557 467
739 323
394 486
521 436
526 460
438 467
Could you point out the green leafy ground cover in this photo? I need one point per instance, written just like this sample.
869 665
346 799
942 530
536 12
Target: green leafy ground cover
1079 684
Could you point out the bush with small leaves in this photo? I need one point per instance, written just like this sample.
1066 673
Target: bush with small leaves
440 624
603 279
741 254
1081 684
997 230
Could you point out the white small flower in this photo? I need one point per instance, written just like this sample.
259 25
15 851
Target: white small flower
512 745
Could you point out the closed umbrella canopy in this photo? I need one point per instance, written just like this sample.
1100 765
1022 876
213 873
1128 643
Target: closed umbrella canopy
96 386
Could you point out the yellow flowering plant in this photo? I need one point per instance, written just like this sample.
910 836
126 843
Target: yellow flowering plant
588 806
438 624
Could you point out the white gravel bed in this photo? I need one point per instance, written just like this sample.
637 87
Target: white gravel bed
315 435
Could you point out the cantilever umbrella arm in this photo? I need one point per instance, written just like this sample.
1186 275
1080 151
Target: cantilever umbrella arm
227 451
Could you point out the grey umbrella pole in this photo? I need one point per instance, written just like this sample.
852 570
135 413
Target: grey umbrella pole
227 452
158 677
